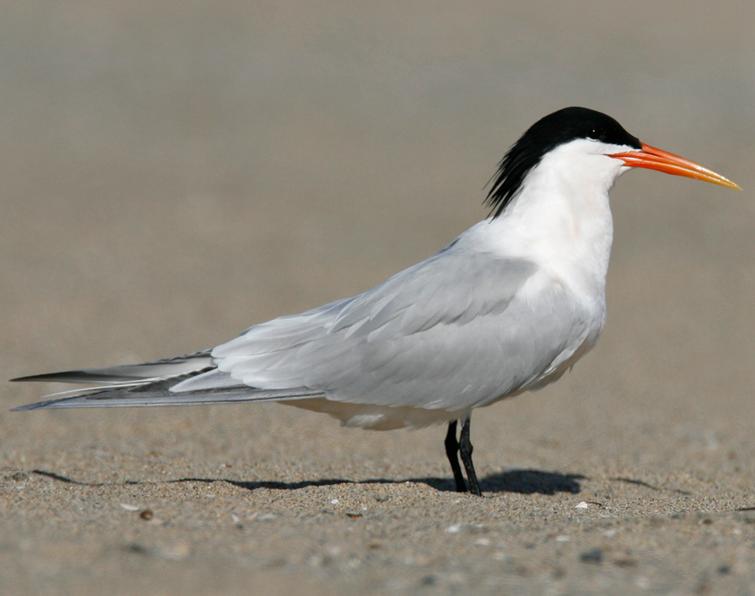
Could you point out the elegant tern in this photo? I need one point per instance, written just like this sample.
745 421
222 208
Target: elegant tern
507 307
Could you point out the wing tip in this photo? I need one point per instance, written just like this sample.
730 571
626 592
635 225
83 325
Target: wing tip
81 377
53 404
23 379
40 405
55 376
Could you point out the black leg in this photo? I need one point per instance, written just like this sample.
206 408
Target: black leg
452 451
465 449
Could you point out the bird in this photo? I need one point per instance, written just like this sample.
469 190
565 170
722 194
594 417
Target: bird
507 307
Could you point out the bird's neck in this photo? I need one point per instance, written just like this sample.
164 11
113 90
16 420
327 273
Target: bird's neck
561 219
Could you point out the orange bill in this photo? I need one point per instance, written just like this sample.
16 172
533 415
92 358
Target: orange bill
653 158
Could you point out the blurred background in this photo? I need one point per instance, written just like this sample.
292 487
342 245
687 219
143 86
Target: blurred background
171 172
174 171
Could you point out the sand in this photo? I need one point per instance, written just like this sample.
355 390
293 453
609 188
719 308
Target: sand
172 173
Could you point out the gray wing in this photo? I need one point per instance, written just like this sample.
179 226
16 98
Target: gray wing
457 330
454 331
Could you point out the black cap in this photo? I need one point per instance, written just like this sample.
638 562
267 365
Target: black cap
546 134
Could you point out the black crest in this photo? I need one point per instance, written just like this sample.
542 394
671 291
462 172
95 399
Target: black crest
547 133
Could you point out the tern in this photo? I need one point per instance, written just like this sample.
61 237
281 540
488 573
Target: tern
507 307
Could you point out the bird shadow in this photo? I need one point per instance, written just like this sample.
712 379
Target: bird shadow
512 481
530 482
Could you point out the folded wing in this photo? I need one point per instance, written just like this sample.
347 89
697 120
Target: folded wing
457 330
454 331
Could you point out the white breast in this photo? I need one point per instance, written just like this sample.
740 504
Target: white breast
561 220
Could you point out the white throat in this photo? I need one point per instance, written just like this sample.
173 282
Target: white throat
561 217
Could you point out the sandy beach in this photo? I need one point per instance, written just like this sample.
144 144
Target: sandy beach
172 173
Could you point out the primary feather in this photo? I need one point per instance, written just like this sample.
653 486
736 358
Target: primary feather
128 397
130 373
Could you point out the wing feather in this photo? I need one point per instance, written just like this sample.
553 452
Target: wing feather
453 331
128 373
128 397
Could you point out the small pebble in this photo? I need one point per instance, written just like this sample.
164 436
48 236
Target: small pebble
594 556
581 505
128 507
428 580
136 548
146 514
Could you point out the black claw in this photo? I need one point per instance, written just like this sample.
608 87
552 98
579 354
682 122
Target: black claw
452 450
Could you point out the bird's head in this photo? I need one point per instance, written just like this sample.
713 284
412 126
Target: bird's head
591 143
